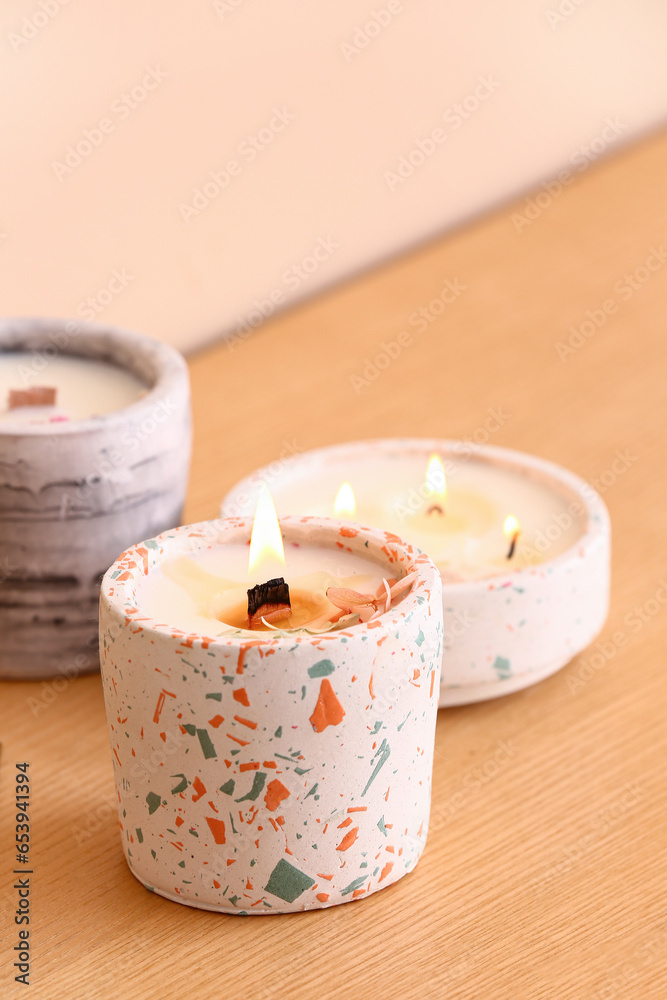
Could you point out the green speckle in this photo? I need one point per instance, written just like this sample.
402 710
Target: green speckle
154 854
207 747
302 770
257 786
502 667
356 884
376 728
181 786
154 802
321 669
181 864
151 544
228 787
279 732
420 638
227 680
313 790
189 728
215 696
287 882
383 752
381 827
404 721
140 836
303 691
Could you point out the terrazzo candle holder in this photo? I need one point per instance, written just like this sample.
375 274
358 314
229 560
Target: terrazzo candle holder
74 494
276 773
506 627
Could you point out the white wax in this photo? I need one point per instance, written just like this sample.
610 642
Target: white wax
84 387
467 541
191 592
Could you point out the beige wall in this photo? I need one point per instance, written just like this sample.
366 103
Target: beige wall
304 114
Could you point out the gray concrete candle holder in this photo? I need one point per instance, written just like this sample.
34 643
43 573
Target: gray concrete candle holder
74 495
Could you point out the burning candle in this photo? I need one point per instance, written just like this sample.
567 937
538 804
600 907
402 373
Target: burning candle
240 589
94 452
300 755
522 546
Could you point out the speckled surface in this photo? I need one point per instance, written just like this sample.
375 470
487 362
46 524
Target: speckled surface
277 773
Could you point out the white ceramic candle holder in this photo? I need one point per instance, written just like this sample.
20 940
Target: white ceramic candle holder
505 632
74 494
273 773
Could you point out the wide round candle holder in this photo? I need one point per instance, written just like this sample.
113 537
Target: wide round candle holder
75 494
278 772
510 630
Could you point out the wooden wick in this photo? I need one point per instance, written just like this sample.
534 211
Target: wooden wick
269 600
512 547
435 508
36 395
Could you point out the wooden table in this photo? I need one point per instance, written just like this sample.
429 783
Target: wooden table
545 872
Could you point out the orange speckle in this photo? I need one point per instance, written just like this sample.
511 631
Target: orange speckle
385 871
327 877
179 821
328 711
269 763
230 861
357 893
357 809
348 839
251 766
275 794
348 532
243 743
216 720
370 687
241 695
216 884
322 896
200 789
217 828
346 822
246 722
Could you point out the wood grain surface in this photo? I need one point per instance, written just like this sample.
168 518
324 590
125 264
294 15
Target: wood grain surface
545 872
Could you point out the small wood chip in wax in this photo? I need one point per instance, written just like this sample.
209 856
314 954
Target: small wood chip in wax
36 395
269 600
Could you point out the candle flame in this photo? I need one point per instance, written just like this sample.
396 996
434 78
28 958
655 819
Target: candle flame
511 527
345 506
267 553
435 482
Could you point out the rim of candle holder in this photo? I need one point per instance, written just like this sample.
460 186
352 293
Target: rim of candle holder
594 516
161 367
119 585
